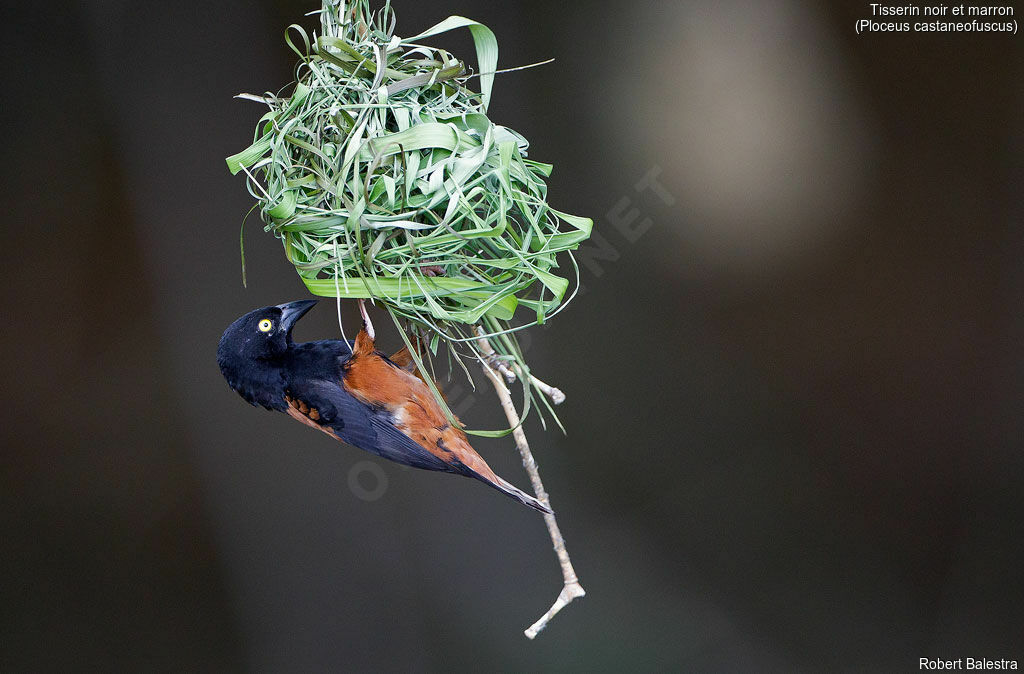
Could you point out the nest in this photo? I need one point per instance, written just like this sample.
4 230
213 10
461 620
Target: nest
385 179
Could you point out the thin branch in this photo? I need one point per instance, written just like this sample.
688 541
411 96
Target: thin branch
572 588
496 362
556 395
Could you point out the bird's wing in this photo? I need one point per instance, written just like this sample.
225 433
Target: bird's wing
413 414
327 407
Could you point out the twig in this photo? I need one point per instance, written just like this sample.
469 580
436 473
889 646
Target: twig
572 588
556 395
495 361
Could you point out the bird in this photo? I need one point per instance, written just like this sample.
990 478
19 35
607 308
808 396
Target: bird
350 391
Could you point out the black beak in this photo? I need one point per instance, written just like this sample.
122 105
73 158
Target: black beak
293 311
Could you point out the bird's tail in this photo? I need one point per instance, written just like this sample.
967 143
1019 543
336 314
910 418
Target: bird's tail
465 460
513 491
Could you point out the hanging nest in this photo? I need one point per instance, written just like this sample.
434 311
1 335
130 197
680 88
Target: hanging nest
385 179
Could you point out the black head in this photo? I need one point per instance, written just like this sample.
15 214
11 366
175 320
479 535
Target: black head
250 350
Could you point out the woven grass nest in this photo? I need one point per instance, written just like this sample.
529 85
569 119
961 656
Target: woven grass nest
385 179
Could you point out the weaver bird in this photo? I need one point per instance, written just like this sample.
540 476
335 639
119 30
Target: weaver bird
350 391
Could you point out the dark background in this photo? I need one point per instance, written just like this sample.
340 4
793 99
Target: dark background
794 381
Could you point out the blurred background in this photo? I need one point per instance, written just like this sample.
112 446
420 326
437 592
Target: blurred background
794 380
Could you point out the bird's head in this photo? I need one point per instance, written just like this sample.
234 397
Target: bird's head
251 347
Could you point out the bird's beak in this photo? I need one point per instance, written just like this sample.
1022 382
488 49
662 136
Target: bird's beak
293 311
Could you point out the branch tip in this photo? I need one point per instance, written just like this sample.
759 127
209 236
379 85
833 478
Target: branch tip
571 588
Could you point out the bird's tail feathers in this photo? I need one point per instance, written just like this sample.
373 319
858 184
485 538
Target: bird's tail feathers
466 461
514 492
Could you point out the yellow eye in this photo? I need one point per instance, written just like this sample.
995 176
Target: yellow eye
266 325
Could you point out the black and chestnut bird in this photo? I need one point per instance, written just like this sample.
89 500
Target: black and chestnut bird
350 391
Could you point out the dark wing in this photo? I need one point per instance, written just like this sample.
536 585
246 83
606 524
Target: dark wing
394 445
325 405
